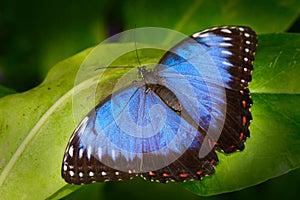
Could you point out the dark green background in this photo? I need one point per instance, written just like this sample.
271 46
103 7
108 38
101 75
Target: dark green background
34 35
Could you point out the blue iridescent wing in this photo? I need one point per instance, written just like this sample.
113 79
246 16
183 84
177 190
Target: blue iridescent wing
209 73
134 132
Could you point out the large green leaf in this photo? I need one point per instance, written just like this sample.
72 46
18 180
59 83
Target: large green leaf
36 125
265 16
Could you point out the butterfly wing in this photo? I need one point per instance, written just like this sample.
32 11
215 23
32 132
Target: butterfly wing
134 132
131 132
209 73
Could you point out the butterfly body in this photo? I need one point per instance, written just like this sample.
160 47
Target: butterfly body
167 126
150 79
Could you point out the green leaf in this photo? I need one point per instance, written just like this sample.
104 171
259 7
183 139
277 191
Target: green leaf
277 66
193 15
36 129
5 91
31 139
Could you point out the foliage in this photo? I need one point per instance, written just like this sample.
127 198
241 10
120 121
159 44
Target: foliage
35 125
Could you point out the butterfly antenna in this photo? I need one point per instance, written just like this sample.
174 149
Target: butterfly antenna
136 52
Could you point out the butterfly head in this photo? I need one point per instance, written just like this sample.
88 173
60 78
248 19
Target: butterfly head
142 71
148 76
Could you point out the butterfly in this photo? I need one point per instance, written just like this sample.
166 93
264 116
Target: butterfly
168 126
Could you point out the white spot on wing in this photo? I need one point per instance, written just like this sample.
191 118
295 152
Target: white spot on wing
91 173
80 153
241 29
227 38
89 152
71 150
117 173
103 173
226 52
80 174
225 30
71 173
247 50
246 34
203 35
224 44
65 167
227 63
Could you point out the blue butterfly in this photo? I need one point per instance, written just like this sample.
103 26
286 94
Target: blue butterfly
168 126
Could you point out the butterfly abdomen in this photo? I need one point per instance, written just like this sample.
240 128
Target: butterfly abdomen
167 96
